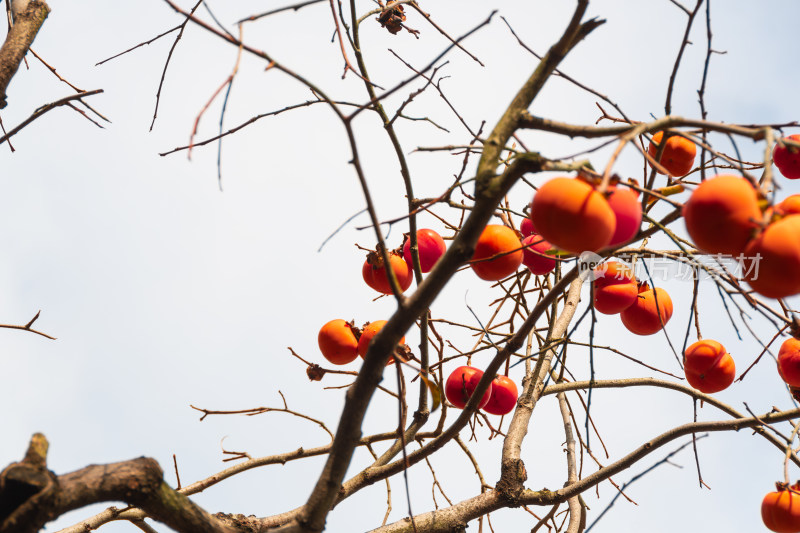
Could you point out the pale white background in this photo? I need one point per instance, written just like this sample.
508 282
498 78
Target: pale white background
164 291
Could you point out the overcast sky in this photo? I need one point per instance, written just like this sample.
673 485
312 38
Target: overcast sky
164 291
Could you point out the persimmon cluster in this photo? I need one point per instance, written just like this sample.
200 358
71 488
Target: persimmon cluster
499 399
726 215
341 342
430 246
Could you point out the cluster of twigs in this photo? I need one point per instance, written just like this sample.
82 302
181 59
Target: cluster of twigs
532 321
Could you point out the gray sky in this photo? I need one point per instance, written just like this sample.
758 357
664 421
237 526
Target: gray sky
165 292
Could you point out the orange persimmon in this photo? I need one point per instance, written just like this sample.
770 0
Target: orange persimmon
571 215
722 214
772 260
498 253
338 341
614 288
789 362
780 510
708 366
369 331
649 313
678 154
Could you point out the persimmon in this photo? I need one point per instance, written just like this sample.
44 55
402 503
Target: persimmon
789 362
722 214
570 214
374 272
533 255
338 341
780 510
678 154
787 158
771 263
498 253
526 227
789 206
614 288
462 383
627 214
708 366
503 398
369 331
649 313
430 247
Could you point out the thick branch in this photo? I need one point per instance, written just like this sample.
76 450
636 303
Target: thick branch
653 382
447 519
545 497
512 468
507 124
371 475
577 518
528 121
31 495
19 39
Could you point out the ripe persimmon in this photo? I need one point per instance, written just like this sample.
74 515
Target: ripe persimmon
375 276
614 288
789 206
627 214
462 383
526 227
430 247
708 366
678 154
338 341
780 510
503 398
722 214
498 253
789 362
649 313
771 263
571 215
787 158
369 331
533 255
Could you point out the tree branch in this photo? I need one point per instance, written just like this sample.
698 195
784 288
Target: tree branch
27 23
31 495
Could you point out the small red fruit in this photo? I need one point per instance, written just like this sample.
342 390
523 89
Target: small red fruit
572 215
533 255
628 214
369 331
504 396
771 263
374 273
642 318
614 288
461 384
337 342
502 244
430 247
780 510
678 155
722 214
789 362
787 159
526 227
708 366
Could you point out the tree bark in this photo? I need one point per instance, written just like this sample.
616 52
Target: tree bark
27 22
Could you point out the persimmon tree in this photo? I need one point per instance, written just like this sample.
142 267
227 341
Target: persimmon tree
542 331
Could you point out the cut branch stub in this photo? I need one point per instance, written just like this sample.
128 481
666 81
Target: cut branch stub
22 484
